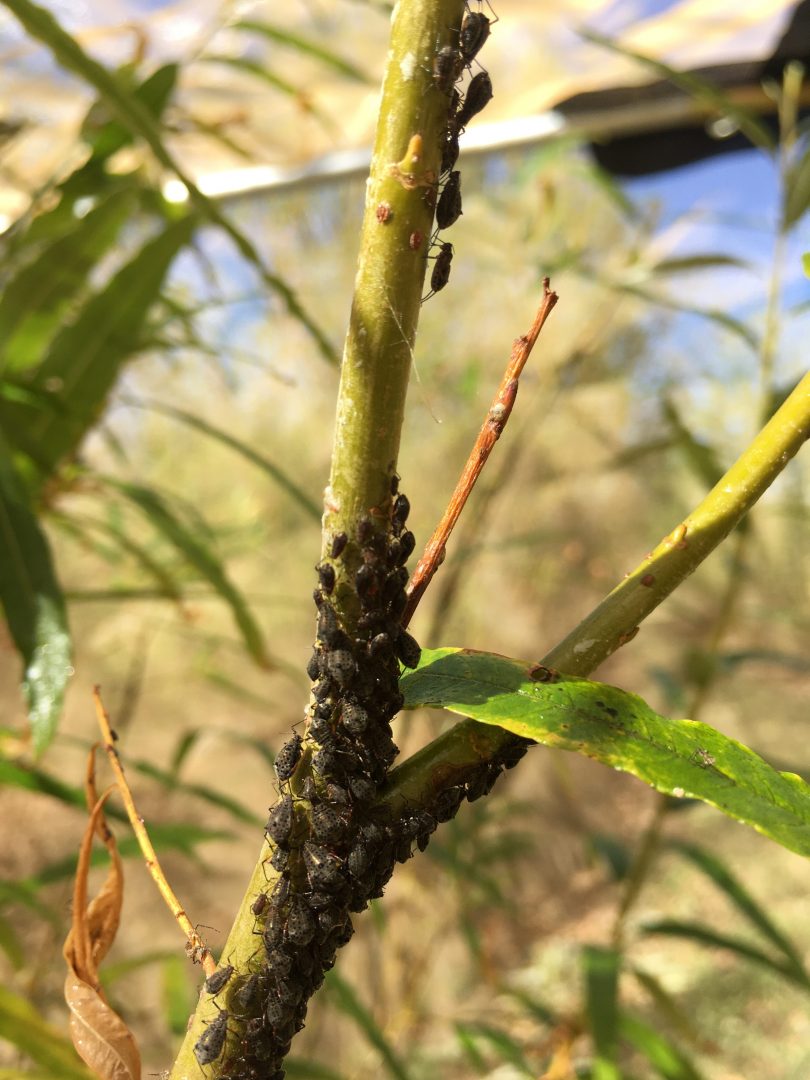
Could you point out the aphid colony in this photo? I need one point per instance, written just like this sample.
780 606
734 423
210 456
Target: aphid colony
331 854
449 65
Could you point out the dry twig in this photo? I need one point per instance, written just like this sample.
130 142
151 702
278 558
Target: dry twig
495 422
196 949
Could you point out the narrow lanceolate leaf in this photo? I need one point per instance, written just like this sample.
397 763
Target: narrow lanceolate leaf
36 299
138 119
697 88
344 997
666 1058
86 357
33 605
684 758
744 902
706 935
281 36
22 1026
797 185
601 968
285 482
201 557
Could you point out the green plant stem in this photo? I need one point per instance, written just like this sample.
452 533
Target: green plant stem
616 620
650 843
651 839
390 278
375 372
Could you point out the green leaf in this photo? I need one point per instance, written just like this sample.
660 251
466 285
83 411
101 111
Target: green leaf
701 457
35 300
696 88
303 45
138 119
675 1016
797 189
688 263
344 998
665 1057
11 945
33 604
743 901
30 778
684 758
705 935
273 471
170 782
715 315
154 93
201 557
601 967
86 356
507 1048
615 854
183 837
22 1026
177 993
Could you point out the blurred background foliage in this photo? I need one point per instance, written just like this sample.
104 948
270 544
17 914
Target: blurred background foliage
166 422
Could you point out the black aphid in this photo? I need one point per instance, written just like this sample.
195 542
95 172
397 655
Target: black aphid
215 982
329 630
280 893
479 95
354 718
362 789
380 645
300 922
447 66
288 757
394 485
450 149
280 860
248 992
366 580
339 542
402 505
259 904
327 824
364 529
441 269
209 1045
279 823
314 665
474 32
341 666
448 208
407 542
408 649
326 576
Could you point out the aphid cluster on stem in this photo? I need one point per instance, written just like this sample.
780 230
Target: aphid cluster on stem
329 855
449 65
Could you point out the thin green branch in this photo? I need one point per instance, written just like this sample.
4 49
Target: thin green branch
617 619
397 224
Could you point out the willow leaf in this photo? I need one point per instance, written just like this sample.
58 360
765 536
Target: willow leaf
684 758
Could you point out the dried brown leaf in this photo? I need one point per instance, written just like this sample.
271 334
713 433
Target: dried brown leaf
100 1036
102 1039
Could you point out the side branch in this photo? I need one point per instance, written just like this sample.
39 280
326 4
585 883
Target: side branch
495 422
450 757
196 948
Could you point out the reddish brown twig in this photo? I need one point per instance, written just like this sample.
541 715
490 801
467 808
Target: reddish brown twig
196 949
498 415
